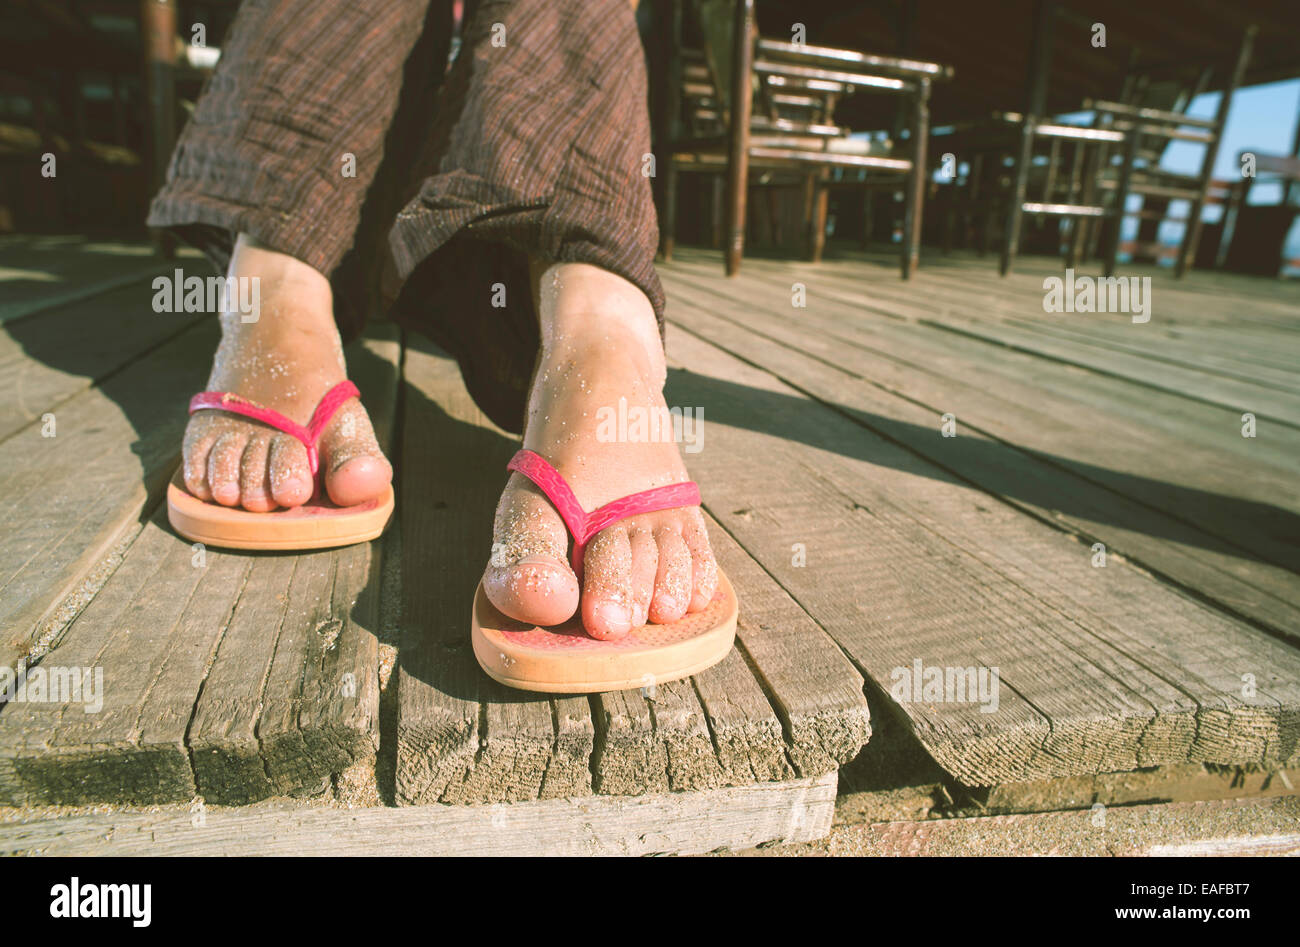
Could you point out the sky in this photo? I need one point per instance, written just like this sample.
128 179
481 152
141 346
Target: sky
1263 120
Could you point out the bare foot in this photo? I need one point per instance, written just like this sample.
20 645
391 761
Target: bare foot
286 360
600 344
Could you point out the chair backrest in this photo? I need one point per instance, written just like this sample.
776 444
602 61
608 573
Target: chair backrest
714 19
793 84
1158 123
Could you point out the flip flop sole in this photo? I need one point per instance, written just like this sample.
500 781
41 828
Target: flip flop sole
318 524
566 660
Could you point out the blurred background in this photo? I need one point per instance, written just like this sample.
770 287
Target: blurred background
104 85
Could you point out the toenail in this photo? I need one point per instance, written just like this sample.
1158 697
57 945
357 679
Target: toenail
613 617
668 605
535 560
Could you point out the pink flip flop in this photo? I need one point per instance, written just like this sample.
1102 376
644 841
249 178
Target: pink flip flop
568 660
317 524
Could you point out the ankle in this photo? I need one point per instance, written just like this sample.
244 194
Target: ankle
605 351
280 274
578 301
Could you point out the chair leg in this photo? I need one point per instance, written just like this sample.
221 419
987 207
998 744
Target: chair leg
1040 55
1237 192
738 143
916 180
868 221
1015 203
1121 201
668 225
821 201
717 212
809 204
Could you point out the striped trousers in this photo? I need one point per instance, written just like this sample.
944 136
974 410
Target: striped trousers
332 131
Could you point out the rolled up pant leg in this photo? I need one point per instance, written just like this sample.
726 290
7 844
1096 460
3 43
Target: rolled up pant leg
540 148
536 145
288 134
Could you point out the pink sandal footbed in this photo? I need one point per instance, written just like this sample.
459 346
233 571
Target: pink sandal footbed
317 524
568 660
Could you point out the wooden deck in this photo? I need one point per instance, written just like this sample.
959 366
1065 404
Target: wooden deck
860 539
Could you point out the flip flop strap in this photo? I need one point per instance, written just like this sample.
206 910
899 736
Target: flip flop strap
584 525
308 435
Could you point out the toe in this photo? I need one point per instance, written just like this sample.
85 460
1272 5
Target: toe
538 589
606 585
223 467
358 479
672 578
194 468
290 472
528 576
254 480
355 468
704 567
645 563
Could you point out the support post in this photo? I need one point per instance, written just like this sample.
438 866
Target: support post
916 179
158 21
667 114
1040 55
738 141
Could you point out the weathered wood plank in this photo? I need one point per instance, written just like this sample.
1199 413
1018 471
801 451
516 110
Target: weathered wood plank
1107 710
206 651
41 272
1164 338
629 759
1201 297
228 763
1166 345
816 690
653 729
462 737
1112 478
1236 827
292 693
157 617
789 811
850 315
66 501
49 357
1218 497
1281 407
